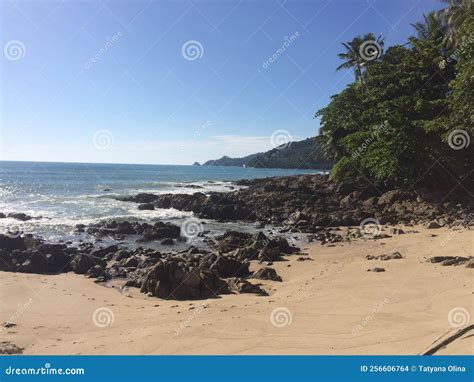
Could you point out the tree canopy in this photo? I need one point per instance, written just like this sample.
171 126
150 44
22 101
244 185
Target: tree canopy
407 119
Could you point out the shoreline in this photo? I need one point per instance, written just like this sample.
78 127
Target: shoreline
327 297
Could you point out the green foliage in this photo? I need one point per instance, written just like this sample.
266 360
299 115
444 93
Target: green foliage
394 129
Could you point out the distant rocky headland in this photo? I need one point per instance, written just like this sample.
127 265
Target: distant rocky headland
306 154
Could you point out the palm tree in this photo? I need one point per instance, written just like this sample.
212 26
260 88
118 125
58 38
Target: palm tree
455 14
354 56
433 26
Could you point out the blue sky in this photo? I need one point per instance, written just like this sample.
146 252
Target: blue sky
110 81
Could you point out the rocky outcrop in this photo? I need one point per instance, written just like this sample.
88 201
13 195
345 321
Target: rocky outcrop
182 278
309 202
266 273
145 231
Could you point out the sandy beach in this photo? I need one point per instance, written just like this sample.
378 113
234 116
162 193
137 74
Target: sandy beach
329 304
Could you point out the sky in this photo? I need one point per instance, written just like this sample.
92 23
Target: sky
174 82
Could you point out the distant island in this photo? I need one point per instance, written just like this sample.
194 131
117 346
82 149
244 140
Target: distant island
306 154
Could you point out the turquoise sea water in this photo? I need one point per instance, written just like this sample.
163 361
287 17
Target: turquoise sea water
65 194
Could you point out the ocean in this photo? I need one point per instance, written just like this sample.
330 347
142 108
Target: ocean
61 195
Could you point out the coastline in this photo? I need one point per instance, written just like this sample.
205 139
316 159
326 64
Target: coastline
328 298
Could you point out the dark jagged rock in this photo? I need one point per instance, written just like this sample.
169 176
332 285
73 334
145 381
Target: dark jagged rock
230 266
176 279
19 216
146 232
254 247
449 260
376 269
81 263
96 271
392 256
146 206
239 286
266 273
160 230
10 243
310 202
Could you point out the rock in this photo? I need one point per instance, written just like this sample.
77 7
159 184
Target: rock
8 325
131 262
96 271
9 348
397 231
103 252
160 230
266 273
392 196
470 264
304 258
176 279
230 266
392 256
123 254
432 225
19 216
81 263
376 269
146 206
239 285
167 242
10 243
457 260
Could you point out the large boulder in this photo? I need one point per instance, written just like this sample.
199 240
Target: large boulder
81 263
179 280
266 273
10 243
